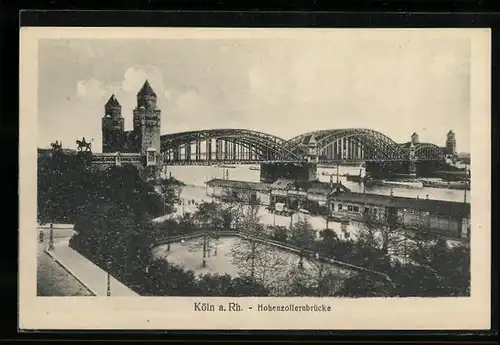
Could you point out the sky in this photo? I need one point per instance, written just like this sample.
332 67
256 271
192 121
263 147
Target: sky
283 87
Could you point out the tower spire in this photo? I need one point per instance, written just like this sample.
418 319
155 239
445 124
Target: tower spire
146 90
113 102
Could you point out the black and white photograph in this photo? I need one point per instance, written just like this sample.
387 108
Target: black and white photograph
327 166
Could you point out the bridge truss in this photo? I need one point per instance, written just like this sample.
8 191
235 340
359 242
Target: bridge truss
230 146
241 146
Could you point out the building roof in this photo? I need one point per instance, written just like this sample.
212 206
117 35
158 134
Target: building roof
146 90
424 205
283 184
112 102
239 184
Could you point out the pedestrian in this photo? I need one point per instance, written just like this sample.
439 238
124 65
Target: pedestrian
41 236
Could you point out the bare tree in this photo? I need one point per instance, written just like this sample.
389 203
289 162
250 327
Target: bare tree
206 245
383 234
170 192
211 218
317 277
302 235
253 257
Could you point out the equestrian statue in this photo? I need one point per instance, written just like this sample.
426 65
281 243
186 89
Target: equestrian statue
57 146
82 144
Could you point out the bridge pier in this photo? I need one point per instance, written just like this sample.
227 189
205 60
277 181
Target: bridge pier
381 170
402 169
270 172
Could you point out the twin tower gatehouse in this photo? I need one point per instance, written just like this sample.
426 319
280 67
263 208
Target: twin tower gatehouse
142 143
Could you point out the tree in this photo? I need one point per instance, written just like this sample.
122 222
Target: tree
204 242
240 203
215 285
165 279
212 218
329 242
170 191
381 233
253 257
209 216
302 236
454 266
317 277
246 286
61 186
362 285
279 233
298 283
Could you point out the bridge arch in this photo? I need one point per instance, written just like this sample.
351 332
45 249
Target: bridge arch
230 144
350 144
428 151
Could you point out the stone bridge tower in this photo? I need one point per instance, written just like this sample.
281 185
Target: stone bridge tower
112 126
451 143
147 125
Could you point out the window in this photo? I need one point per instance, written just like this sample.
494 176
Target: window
340 207
366 210
375 211
356 208
349 208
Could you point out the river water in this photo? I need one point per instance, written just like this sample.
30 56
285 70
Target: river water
196 176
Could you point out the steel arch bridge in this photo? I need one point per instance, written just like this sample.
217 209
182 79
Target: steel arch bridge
425 151
241 146
232 146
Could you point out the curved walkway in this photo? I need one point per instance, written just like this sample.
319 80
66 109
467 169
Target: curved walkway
91 276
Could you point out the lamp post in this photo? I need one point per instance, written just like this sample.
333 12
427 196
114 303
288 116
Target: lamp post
108 279
204 261
51 237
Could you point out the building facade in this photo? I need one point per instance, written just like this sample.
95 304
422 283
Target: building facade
446 218
143 141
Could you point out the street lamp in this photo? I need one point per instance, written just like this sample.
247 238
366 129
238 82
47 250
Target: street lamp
204 262
51 237
108 279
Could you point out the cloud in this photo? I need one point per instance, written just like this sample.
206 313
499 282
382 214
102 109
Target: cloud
168 93
135 77
90 89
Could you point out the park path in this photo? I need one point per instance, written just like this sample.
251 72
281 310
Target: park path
91 276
